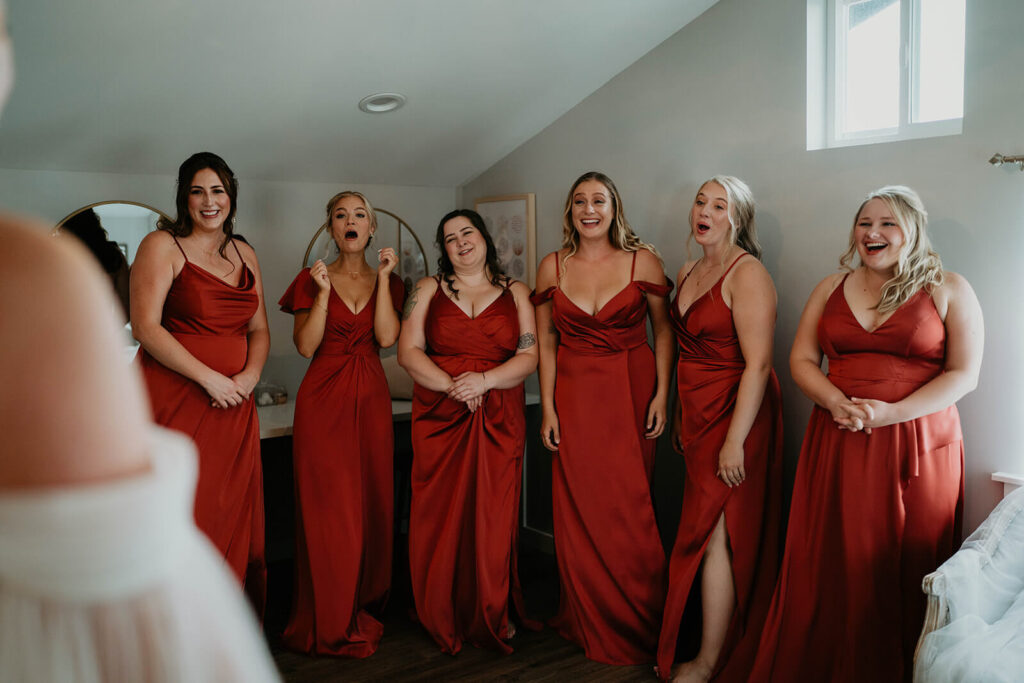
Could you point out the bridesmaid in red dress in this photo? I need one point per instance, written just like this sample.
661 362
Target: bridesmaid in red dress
879 488
197 311
342 441
728 425
468 341
604 396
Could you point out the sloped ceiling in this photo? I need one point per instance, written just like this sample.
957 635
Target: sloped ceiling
136 86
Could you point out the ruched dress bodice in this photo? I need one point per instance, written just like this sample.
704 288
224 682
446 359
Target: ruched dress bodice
611 563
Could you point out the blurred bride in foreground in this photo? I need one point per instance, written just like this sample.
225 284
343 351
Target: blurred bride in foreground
103 574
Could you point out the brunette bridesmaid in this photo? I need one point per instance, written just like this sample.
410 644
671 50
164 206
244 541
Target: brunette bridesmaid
197 311
468 341
878 494
728 426
604 395
345 312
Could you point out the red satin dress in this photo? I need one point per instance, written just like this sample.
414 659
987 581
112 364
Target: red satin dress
611 563
210 318
343 454
466 478
710 366
871 513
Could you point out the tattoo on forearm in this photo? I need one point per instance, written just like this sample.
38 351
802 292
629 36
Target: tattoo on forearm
526 341
410 302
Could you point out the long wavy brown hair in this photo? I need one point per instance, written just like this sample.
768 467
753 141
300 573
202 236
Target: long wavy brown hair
620 233
182 225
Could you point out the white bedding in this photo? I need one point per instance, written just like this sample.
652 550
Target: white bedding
983 588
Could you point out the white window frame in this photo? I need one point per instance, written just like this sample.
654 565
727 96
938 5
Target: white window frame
825 52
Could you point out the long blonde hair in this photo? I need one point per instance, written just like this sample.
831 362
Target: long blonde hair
742 230
917 266
620 234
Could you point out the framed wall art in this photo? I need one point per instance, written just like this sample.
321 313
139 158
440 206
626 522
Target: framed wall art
512 222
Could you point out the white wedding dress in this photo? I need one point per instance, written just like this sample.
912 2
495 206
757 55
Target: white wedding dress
114 582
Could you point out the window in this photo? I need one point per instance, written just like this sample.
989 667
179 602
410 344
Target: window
882 70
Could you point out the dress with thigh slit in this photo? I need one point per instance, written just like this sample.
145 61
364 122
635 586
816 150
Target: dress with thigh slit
210 318
709 370
611 563
466 480
343 453
871 513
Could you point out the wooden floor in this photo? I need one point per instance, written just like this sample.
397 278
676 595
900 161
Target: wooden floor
407 653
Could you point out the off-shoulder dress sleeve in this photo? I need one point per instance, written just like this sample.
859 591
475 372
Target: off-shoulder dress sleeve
301 293
656 290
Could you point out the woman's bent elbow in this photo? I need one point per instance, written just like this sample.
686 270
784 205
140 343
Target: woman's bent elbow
304 350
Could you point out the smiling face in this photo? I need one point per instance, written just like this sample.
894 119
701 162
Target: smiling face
208 200
351 224
465 246
878 237
592 208
709 217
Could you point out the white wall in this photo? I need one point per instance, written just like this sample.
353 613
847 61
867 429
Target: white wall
277 218
726 95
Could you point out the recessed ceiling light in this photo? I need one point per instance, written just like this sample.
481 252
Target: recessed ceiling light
381 102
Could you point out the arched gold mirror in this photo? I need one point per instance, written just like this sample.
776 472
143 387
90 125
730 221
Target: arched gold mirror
112 231
392 231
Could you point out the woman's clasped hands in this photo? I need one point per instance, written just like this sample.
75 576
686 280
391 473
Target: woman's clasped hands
469 388
863 414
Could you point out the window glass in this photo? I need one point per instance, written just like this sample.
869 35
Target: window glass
872 94
939 84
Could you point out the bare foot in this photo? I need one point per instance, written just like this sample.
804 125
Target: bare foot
510 631
695 671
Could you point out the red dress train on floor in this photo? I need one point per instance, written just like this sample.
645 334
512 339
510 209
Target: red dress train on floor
871 513
343 455
210 318
611 563
709 370
466 479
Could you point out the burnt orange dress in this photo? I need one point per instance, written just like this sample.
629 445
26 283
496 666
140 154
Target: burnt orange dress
709 371
611 563
871 513
466 480
210 318
343 458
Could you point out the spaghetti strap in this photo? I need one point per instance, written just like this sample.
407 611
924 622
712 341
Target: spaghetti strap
558 268
688 273
734 262
179 247
632 268
238 252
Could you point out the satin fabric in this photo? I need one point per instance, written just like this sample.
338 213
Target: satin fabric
210 318
343 454
709 370
611 563
466 479
871 513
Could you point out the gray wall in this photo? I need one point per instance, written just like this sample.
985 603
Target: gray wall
277 218
726 95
